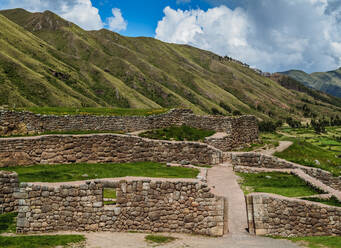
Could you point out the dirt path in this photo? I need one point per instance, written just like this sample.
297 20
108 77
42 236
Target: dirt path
224 183
283 145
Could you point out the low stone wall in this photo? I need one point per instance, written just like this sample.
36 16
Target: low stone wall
281 216
241 129
148 206
102 148
252 159
8 184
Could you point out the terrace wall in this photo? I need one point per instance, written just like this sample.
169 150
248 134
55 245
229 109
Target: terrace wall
8 184
252 159
102 148
148 206
241 130
281 216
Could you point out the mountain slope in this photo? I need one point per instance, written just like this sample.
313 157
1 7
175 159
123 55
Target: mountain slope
328 82
47 61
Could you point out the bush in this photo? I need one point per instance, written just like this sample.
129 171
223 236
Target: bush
236 112
293 123
216 111
225 106
267 126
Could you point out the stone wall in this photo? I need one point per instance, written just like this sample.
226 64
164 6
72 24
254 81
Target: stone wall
102 148
252 159
148 206
8 184
281 216
241 130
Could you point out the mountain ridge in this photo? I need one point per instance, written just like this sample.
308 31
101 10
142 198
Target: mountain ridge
328 82
48 61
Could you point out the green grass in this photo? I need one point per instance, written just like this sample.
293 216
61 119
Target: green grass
276 183
159 239
93 111
45 241
7 222
109 194
178 133
74 172
305 153
318 241
333 201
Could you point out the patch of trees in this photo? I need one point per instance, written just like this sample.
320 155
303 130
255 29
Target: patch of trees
269 126
293 123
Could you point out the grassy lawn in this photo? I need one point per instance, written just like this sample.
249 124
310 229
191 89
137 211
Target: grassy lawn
276 183
318 241
268 140
75 172
7 223
159 239
333 201
92 111
178 133
305 153
44 241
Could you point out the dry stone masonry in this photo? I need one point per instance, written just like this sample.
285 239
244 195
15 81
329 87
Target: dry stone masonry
102 148
258 160
8 184
240 130
281 216
144 205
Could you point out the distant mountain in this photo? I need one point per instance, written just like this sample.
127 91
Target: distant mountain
48 61
328 82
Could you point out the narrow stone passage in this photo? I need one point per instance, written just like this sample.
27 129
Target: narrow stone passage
224 183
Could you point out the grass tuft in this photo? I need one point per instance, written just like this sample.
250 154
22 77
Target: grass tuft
159 239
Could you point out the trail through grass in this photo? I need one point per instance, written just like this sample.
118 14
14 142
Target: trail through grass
77 172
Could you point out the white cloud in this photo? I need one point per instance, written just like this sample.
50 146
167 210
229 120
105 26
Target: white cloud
271 35
117 22
81 12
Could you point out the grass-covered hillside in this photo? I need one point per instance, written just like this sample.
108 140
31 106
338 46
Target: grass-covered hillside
47 61
329 82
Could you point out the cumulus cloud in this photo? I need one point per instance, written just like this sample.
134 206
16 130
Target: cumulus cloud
117 22
81 12
270 35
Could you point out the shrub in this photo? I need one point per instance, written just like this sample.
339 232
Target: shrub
267 126
236 112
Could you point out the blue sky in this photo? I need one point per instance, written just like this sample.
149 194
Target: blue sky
143 15
272 35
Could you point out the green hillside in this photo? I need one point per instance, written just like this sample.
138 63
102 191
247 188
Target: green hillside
328 82
47 61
